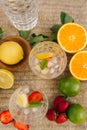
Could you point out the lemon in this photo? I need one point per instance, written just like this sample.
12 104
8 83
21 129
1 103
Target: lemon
11 52
44 55
22 100
6 79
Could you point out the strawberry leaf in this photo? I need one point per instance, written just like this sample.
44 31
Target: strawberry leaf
34 104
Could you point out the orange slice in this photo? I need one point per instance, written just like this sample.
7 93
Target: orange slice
72 37
78 65
44 55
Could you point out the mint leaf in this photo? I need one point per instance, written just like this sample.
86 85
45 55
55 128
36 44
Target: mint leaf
65 18
55 27
1 33
43 64
37 38
34 104
24 34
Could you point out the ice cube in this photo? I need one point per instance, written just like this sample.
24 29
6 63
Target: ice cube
45 71
50 64
52 70
37 67
54 60
26 111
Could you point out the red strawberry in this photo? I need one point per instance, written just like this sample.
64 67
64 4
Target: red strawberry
57 100
63 106
6 117
20 126
61 118
51 114
35 96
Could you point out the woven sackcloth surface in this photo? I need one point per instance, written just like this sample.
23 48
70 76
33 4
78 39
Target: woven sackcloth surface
49 14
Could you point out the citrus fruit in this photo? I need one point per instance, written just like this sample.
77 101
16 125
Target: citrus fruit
72 37
11 52
6 79
22 100
44 55
76 113
70 86
78 65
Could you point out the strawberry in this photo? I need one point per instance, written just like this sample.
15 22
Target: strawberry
63 106
6 117
61 118
51 114
35 96
20 126
57 100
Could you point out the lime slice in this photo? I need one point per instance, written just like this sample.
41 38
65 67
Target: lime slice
6 79
22 100
44 55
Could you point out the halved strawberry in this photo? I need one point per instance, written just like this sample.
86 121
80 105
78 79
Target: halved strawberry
20 126
6 117
35 96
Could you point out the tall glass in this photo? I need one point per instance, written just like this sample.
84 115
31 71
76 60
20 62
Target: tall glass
24 113
23 14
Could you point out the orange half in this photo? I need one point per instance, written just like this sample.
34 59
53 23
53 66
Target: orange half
78 65
72 37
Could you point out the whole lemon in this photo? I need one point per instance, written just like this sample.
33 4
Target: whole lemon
11 52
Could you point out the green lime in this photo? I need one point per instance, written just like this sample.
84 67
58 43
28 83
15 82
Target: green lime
76 113
70 86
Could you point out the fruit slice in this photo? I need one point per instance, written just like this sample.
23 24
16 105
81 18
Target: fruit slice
78 65
72 37
44 55
20 126
22 100
35 96
6 79
6 117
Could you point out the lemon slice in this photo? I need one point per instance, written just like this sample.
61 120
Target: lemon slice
44 55
22 100
6 79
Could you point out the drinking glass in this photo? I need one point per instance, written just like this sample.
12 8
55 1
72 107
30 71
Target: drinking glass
23 14
27 115
51 62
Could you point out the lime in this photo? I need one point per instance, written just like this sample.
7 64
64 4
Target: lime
22 100
44 55
76 113
11 52
70 86
6 79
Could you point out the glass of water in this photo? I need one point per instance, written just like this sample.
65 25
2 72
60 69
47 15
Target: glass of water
28 105
23 14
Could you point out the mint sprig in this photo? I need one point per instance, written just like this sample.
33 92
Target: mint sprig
34 104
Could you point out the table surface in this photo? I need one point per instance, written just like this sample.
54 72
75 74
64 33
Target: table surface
49 14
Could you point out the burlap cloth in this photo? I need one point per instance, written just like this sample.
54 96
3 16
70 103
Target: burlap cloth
49 12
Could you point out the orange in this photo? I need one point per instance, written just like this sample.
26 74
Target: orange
78 65
72 37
